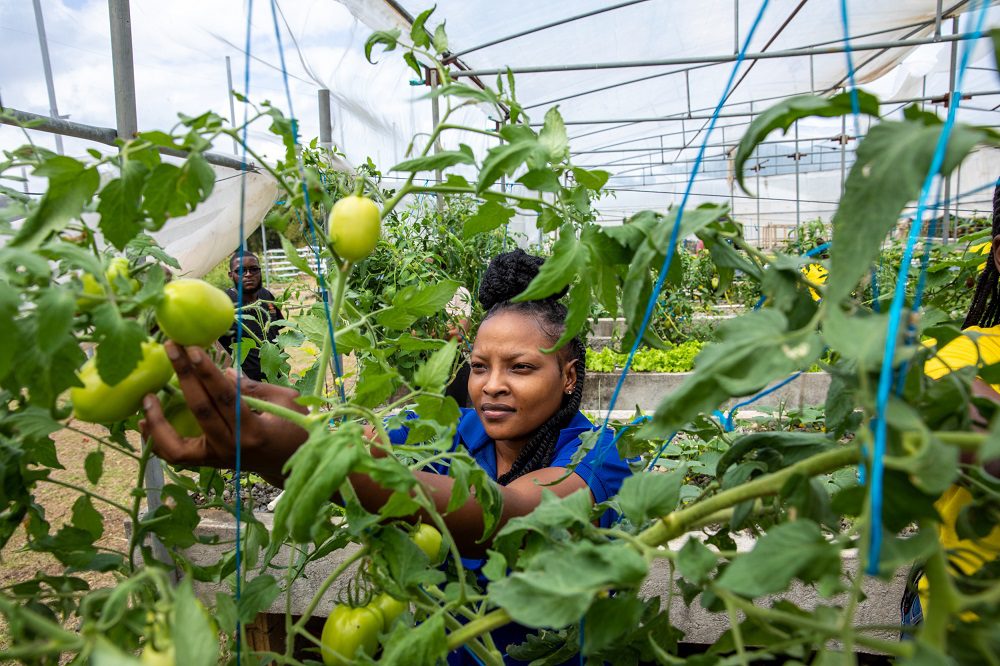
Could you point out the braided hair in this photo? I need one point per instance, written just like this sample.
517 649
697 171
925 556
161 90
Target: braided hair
985 308
507 276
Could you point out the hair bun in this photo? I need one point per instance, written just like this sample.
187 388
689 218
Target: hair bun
508 275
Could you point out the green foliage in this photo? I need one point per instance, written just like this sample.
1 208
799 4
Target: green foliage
675 359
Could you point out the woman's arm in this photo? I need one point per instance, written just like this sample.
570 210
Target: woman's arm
268 441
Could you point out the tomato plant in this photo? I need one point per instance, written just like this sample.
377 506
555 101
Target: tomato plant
193 312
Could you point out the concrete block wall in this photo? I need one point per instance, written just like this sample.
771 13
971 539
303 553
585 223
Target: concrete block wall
647 389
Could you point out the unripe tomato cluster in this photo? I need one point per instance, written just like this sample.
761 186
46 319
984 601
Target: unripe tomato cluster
191 312
351 628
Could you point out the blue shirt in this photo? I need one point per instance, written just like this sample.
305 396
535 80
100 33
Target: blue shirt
601 469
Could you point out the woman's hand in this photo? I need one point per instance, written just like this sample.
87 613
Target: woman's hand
267 441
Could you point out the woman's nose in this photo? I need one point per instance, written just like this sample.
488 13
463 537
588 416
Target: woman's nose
495 383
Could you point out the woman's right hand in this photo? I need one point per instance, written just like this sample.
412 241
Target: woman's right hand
266 440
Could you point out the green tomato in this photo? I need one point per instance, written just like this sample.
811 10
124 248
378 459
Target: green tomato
388 608
180 416
153 657
193 312
93 291
98 402
428 539
348 630
354 228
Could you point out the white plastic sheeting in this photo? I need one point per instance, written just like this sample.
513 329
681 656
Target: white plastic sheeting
653 172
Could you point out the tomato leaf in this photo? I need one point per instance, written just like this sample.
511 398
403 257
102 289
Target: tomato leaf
196 641
119 340
695 561
55 316
491 215
87 518
892 163
388 39
295 259
71 186
257 596
786 551
418 33
434 374
93 465
438 160
646 496
568 257
119 204
782 115
552 138
423 644
560 585
592 180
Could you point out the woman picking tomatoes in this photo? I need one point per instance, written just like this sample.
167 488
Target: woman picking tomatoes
523 429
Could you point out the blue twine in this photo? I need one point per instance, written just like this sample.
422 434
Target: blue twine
239 333
726 419
661 278
659 454
895 310
338 371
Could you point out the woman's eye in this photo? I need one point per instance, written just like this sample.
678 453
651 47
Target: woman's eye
521 366
477 366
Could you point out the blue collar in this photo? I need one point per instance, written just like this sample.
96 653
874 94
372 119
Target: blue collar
482 448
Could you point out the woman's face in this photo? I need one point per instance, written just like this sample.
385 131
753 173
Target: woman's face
515 388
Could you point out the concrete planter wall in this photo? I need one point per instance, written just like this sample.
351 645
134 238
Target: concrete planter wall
647 389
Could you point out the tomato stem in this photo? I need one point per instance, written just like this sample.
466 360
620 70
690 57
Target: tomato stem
674 524
489 622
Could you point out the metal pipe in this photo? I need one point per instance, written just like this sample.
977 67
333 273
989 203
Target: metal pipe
951 100
641 79
435 119
104 135
683 115
124 71
715 59
325 123
43 44
546 26
232 104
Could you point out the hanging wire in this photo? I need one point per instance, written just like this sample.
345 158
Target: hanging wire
899 295
324 294
239 332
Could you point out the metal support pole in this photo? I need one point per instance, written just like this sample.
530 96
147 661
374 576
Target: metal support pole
43 44
124 71
736 27
937 20
325 120
951 100
435 119
232 103
798 194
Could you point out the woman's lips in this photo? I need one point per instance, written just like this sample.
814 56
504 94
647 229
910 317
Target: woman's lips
495 411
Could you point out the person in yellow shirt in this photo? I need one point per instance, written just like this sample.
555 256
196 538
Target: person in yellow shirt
979 345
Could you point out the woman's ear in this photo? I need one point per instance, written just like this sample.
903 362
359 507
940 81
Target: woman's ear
569 370
995 253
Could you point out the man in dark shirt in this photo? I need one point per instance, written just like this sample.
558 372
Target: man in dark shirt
258 314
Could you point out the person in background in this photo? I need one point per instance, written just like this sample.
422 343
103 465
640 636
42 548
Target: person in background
459 310
979 345
258 314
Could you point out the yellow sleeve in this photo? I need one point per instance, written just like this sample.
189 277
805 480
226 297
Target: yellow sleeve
963 351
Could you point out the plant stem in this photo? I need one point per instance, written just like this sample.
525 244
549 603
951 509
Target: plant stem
299 419
674 524
325 585
133 541
83 491
487 623
943 599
